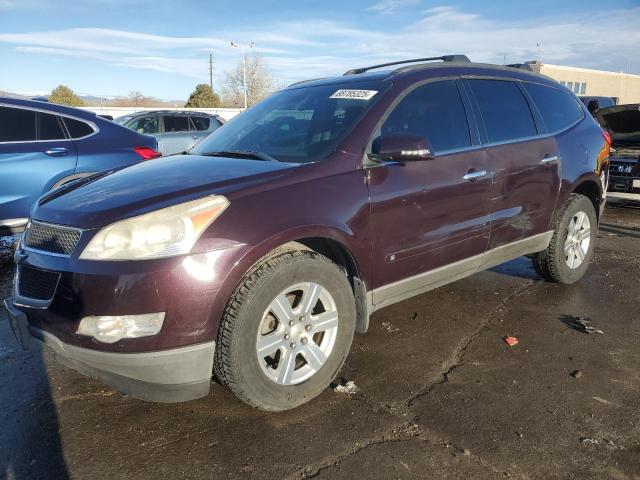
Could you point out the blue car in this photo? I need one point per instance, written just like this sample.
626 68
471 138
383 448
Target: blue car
43 146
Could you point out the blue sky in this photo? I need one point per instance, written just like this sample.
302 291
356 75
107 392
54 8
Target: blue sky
110 47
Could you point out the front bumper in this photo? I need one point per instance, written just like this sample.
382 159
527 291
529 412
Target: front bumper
172 375
624 187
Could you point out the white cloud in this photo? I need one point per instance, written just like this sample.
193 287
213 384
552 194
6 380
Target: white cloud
391 6
296 50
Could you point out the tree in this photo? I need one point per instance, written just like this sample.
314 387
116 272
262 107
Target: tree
260 84
203 97
137 99
63 95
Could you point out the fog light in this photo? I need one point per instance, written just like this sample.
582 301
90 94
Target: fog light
110 329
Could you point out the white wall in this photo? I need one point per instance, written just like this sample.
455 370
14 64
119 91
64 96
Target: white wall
226 113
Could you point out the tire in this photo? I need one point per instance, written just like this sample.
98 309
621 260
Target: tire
560 262
252 309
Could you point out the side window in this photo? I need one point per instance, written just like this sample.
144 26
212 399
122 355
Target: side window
434 111
174 123
17 125
558 108
505 112
77 129
148 125
49 127
201 123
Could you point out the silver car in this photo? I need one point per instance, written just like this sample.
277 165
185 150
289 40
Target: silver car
176 131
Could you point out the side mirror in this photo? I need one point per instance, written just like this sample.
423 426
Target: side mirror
401 147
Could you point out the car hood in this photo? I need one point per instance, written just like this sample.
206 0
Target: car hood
106 198
622 122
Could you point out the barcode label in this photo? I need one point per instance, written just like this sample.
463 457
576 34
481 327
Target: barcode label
354 94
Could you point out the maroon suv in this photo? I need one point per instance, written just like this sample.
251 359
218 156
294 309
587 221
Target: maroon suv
258 254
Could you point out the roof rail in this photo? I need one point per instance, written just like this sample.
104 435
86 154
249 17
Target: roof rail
521 66
444 58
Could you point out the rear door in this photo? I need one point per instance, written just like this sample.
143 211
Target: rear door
524 159
431 213
35 154
176 135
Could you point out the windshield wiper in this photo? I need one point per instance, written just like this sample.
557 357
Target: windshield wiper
241 154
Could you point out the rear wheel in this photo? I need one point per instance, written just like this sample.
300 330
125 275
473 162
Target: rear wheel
286 331
571 248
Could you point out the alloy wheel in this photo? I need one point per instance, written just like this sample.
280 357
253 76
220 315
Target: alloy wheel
297 333
576 246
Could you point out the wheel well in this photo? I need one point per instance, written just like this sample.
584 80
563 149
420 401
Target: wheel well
590 190
340 255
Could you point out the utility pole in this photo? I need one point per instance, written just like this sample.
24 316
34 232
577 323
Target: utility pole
211 71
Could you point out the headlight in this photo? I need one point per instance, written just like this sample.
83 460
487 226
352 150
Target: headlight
110 329
164 233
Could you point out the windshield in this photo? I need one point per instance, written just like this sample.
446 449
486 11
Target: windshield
122 120
300 125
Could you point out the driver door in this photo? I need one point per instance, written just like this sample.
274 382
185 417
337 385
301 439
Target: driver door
429 218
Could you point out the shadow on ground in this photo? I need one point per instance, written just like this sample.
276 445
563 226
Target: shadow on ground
30 445
441 395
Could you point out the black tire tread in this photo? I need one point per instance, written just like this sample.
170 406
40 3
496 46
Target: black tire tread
543 262
223 366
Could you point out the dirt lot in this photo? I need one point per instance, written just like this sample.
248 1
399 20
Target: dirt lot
441 395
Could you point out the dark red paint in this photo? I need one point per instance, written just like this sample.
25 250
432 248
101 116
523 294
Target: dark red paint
395 220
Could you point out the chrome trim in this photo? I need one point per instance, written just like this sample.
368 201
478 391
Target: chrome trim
57 152
471 176
54 225
71 178
423 282
42 252
21 301
13 222
93 125
549 159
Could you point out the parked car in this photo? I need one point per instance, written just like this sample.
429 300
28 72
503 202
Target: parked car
622 123
44 146
176 132
594 104
260 253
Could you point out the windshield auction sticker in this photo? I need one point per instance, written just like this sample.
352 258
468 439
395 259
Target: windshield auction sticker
354 94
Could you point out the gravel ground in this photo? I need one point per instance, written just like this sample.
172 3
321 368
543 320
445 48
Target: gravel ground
441 394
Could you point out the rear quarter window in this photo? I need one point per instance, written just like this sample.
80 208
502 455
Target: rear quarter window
559 109
77 128
504 109
17 125
201 123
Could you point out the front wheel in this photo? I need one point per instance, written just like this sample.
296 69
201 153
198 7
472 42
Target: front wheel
572 245
286 331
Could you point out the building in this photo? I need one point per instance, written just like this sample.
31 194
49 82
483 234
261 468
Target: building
623 87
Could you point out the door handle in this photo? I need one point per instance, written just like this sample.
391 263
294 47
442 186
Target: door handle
475 175
195 137
56 152
548 159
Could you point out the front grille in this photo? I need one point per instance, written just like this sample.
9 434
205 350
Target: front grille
36 284
621 169
51 238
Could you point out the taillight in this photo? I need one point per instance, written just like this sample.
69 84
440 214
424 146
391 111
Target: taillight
146 153
603 154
